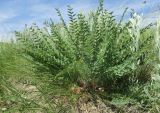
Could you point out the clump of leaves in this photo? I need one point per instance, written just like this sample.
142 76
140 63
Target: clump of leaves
94 48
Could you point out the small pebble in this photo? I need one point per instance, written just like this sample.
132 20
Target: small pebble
4 109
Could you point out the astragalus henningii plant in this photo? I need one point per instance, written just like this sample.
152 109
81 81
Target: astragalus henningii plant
94 48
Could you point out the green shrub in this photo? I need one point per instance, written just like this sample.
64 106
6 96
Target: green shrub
93 48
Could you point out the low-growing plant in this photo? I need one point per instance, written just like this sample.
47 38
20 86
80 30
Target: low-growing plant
94 48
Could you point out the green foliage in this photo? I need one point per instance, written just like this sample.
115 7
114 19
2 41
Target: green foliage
23 88
94 48
119 57
147 96
7 56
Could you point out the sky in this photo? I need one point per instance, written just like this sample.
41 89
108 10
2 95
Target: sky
14 14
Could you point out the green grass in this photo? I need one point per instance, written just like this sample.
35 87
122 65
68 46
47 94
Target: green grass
24 89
